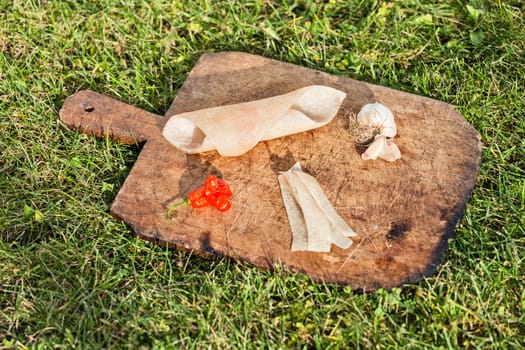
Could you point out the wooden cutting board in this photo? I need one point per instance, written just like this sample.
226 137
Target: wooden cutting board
403 212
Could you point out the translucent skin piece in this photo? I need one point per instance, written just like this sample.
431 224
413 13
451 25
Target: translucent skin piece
234 129
314 222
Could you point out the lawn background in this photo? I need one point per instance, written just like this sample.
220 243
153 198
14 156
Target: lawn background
71 276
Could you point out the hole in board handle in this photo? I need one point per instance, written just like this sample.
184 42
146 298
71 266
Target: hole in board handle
89 108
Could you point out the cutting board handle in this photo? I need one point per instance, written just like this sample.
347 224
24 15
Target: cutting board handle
95 114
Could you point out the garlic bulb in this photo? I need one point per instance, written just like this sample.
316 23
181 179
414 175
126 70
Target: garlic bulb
380 118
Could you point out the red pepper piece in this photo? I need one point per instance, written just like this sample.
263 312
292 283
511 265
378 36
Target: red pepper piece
224 188
198 199
211 185
214 186
222 203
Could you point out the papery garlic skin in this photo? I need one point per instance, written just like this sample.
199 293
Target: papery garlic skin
378 116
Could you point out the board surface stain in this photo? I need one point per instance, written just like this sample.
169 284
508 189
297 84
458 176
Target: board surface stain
398 230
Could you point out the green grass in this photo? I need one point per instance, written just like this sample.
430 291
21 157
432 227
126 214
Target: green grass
71 276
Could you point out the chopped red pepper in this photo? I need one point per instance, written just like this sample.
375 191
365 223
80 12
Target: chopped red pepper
215 192
198 199
213 186
222 202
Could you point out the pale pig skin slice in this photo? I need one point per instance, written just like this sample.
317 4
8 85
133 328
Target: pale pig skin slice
233 130
314 222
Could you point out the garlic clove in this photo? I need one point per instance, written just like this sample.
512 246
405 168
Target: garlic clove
390 152
383 148
375 149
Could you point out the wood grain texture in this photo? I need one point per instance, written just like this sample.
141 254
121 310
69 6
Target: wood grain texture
404 212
